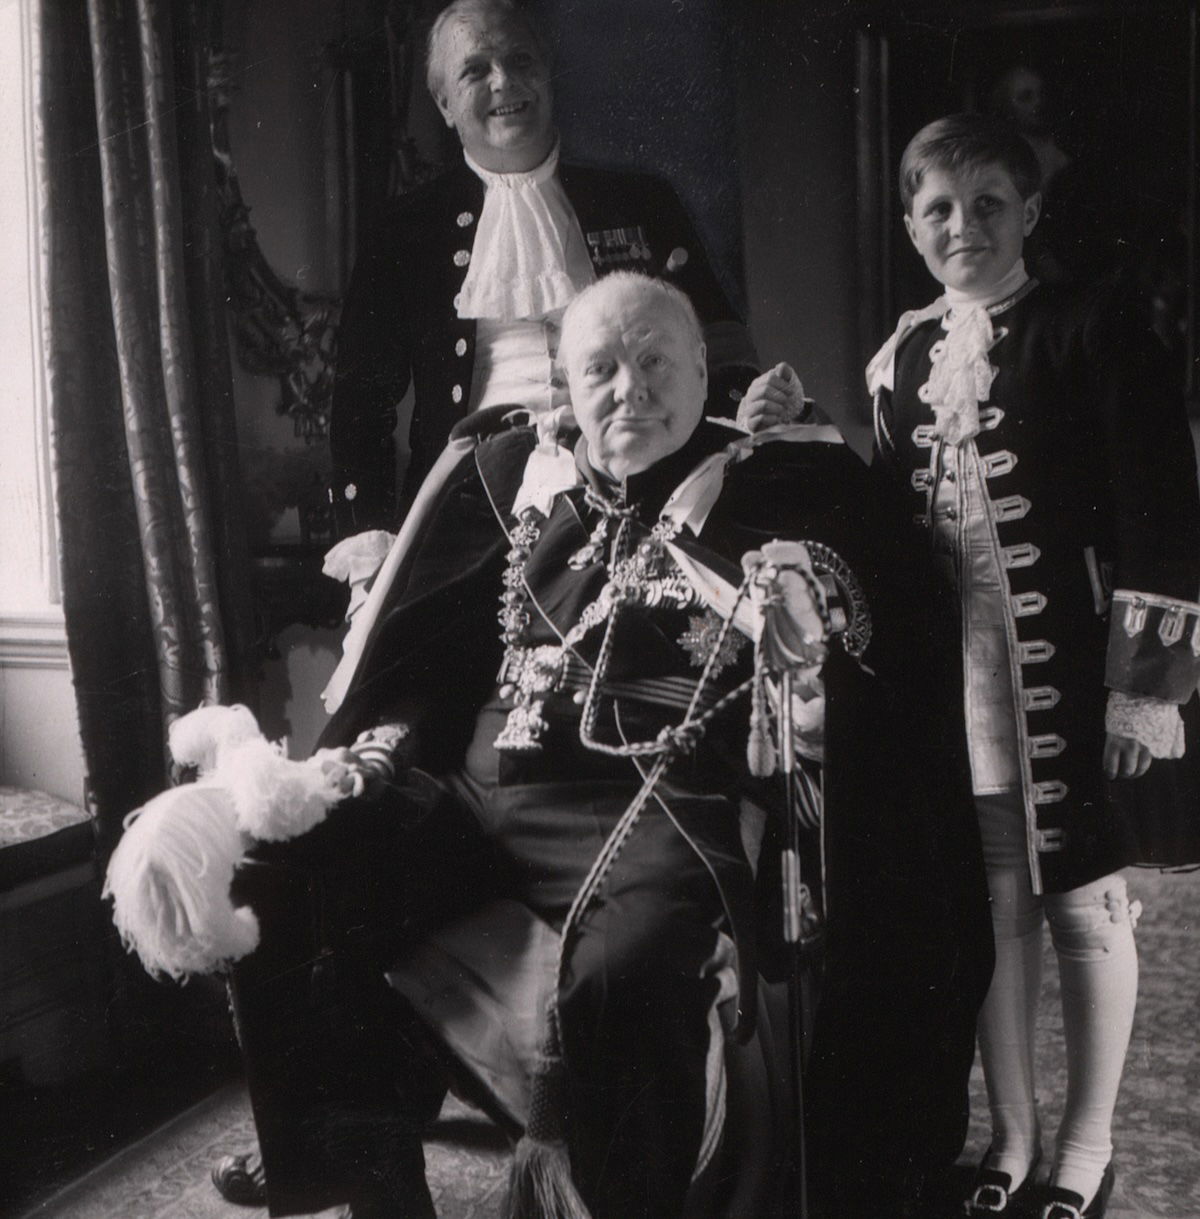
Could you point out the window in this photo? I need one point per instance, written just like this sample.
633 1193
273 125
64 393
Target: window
29 584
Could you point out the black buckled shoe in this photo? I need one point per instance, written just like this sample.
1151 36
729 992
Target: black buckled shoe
1059 1203
993 1194
241 1180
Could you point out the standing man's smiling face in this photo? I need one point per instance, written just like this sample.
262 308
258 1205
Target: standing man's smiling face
494 90
635 367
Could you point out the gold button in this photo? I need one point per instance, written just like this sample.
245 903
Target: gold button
456 393
460 348
462 257
465 219
351 491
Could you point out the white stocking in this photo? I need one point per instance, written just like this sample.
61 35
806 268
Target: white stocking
1007 1020
1092 931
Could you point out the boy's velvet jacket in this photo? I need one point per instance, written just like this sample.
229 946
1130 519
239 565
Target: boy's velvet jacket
1090 480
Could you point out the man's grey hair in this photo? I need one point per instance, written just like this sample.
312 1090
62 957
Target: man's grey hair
471 12
617 282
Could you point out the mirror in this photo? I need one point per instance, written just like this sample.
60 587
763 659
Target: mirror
313 131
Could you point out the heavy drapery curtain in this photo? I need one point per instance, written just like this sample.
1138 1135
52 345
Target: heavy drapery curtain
155 589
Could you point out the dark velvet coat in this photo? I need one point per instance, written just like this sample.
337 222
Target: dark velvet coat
1090 478
909 948
400 326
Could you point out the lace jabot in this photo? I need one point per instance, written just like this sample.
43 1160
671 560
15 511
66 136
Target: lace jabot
960 374
529 256
961 371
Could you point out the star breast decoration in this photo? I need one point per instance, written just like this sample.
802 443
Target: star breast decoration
703 636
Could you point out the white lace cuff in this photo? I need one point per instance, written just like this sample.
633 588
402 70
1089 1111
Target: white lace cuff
1149 721
355 560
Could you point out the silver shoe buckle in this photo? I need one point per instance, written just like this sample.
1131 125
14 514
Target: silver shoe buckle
990 1198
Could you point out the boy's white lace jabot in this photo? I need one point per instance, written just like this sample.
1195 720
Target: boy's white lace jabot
961 372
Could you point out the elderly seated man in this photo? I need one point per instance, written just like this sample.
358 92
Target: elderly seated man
573 700
460 293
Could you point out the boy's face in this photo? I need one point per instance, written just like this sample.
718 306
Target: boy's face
970 226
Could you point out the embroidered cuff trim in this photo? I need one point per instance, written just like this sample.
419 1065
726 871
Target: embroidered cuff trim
378 748
1134 607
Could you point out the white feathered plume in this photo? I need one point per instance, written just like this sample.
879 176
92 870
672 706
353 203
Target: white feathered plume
170 875
169 880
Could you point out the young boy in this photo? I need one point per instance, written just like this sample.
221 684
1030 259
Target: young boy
1043 445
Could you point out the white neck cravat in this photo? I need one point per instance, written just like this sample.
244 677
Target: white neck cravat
528 258
960 373
881 369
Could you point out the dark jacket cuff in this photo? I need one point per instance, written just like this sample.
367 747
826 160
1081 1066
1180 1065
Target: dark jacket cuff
1153 646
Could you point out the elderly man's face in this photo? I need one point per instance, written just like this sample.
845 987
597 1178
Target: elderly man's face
495 92
637 379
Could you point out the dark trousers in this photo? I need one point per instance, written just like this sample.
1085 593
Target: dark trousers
635 996
634 1003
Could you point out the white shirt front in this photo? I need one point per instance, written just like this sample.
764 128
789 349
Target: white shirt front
514 363
528 262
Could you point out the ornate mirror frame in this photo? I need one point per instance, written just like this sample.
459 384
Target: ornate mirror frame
366 72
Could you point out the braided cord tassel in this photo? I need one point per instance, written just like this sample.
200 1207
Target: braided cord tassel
760 747
792 640
540 1182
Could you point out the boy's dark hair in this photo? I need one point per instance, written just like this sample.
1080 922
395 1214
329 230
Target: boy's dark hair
961 140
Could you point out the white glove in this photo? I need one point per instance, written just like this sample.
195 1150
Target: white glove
356 559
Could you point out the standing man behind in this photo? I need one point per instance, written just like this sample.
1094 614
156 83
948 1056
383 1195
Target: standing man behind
462 294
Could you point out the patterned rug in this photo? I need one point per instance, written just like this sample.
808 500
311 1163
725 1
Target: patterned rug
165 1176
1157 1128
